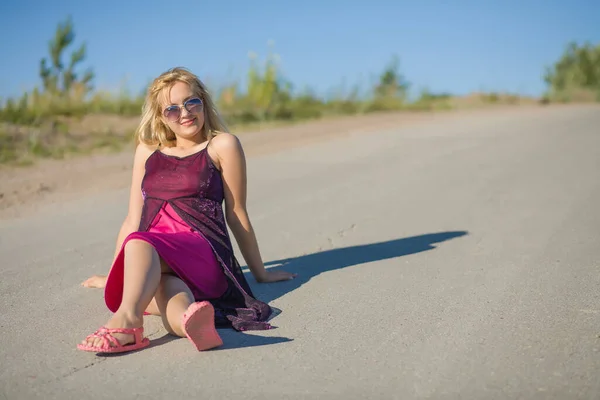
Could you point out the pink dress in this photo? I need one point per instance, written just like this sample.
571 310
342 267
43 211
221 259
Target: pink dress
185 251
183 219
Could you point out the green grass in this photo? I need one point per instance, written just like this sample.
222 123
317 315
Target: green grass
23 146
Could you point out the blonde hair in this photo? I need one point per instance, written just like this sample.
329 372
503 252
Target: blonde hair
152 130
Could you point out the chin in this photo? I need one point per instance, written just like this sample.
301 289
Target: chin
190 131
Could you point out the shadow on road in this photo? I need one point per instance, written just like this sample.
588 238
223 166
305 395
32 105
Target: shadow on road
231 340
311 265
234 340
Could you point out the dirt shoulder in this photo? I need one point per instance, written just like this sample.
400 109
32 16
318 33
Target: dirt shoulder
24 189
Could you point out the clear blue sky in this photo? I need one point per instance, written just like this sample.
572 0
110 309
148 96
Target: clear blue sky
454 46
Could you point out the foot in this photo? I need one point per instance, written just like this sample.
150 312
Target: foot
199 326
117 321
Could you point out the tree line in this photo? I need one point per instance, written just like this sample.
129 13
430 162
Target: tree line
66 90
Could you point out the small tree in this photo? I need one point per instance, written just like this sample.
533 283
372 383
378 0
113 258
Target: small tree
576 73
267 91
391 82
262 86
57 79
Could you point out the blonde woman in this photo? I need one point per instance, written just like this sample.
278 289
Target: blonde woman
174 256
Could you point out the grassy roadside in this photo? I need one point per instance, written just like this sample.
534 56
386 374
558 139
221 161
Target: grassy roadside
67 137
66 116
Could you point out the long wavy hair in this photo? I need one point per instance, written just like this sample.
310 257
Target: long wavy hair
153 131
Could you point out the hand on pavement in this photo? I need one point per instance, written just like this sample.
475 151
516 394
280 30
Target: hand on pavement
276 276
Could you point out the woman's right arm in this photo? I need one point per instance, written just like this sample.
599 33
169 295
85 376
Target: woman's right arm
134 213
136 200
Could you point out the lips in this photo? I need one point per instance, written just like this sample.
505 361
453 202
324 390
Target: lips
188 122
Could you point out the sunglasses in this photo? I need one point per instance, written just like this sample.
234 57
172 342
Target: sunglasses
173 112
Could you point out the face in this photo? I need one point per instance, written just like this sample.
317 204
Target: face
182 110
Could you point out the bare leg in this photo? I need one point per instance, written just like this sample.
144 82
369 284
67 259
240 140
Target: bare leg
173 298
152 308
141 279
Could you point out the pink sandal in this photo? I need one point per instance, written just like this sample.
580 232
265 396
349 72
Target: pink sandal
199 326
107 338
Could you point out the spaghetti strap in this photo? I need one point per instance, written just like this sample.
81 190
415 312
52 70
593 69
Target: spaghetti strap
210 139
211 161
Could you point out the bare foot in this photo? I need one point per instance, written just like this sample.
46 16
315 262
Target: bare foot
96 281
117 321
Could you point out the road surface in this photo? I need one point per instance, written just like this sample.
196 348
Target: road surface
455 258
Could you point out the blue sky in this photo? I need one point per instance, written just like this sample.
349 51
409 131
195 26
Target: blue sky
454 46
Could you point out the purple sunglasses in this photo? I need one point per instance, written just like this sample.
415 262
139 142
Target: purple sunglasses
173 112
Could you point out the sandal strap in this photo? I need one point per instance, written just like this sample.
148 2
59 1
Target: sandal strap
105 334
136 332
112 339
103 337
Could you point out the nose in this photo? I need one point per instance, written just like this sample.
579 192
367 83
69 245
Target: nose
184 112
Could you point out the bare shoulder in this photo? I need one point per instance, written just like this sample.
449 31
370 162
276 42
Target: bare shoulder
226 142
227 149
142 152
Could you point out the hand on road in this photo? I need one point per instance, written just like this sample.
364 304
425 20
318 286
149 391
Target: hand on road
276 276
96 281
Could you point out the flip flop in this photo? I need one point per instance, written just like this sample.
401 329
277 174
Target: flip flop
199 326
107 339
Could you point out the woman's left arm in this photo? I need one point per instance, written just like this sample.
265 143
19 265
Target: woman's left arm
232 163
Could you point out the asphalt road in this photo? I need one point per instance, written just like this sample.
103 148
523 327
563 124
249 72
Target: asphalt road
454 258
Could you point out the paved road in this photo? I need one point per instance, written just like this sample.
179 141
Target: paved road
455 258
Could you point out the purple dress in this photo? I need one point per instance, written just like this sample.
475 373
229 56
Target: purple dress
183 219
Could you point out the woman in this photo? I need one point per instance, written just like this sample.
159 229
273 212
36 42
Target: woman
174 256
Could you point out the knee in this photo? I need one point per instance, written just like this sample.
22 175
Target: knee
140 253
135 242
136 245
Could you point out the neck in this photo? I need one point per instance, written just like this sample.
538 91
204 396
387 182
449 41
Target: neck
191 142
